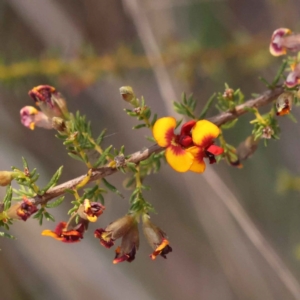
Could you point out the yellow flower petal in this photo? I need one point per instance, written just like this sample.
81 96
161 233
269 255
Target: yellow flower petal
163 131
179 159
92 218
198 164
204 132
51 234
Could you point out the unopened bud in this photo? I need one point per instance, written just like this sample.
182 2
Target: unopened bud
51 102
6 177
228 94
156 238
267 132
127 93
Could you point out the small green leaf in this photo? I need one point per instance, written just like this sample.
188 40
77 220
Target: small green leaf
153 120
249 109
183 97
139 126
279 73
263 80
112 188
75 156
102 157
178 123
55 203
151 139
147 113
131 166
49 217
101 136
8 197
53 181
130 183
9 236
142 102
25 164
207 106
72 210
229 124
41 217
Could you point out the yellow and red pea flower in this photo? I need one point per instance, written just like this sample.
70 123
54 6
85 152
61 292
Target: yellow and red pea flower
91 210
114 230
21 210
129 246
163 249
185 151
61 233
125 228
156 238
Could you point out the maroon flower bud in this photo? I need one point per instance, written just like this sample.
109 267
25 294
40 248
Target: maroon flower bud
51 102
71 232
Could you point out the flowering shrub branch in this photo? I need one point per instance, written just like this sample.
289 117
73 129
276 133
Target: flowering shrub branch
188 150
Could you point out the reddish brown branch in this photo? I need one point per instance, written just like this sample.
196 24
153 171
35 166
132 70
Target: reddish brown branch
138 156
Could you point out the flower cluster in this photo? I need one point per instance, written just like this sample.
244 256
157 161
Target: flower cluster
51 104
73 230
284 40
186 151
127 229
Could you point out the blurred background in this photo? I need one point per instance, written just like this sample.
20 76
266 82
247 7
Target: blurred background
234 236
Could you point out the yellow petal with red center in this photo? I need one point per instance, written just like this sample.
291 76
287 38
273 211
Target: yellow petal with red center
204 132
179 159
198 164
163 131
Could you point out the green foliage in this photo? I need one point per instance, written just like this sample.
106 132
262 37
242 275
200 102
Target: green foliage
186 107
43 213
229 99
53 181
